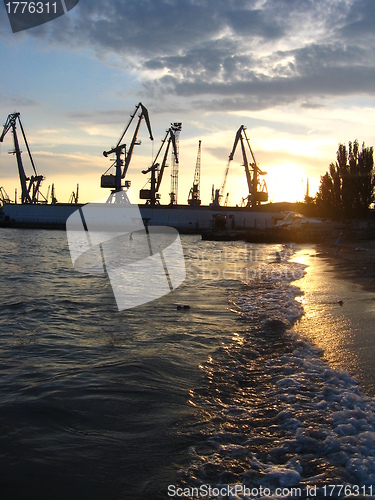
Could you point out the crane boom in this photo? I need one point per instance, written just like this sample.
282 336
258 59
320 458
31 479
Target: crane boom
217 194
172 139
27 146
246 165
144 113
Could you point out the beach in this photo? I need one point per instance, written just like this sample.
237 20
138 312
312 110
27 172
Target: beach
354 260
338 297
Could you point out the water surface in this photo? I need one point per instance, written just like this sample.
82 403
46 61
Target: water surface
255 384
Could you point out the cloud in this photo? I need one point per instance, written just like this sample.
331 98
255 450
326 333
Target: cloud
230 54
17 100
359 21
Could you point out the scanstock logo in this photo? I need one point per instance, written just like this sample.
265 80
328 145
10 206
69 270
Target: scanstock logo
142 262
25 15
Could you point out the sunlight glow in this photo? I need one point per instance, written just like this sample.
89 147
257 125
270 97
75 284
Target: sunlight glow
286 182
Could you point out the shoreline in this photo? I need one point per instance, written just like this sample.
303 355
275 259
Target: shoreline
338 300
354 261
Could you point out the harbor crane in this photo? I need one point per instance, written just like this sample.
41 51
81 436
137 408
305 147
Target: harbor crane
4 198
53 195
152 195
257 190
194 194
29 185
115 181
74 196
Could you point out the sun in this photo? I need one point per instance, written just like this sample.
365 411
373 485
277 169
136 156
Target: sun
286 182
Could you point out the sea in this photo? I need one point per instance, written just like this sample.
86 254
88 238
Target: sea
254 379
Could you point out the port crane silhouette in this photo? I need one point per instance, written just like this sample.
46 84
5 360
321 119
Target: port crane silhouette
152 195
115 181
194 194
30 186
257 189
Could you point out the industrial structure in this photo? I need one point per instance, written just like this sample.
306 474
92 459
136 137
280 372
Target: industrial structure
257 190
152 195
114 181
30 186
4 198
194 198
34 209
74 196
176 127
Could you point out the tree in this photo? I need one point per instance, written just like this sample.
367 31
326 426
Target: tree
348 188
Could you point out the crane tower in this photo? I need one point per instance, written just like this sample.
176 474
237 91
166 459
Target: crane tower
176 128
194 194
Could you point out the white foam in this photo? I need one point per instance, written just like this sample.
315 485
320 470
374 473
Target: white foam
269 294
322 422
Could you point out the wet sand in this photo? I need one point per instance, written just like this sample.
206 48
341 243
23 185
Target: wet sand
353 261
338 296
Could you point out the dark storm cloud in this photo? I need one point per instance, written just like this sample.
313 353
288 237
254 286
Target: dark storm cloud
360 20
229 54
152 28
258 93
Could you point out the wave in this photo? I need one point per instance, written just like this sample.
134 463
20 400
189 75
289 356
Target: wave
271 412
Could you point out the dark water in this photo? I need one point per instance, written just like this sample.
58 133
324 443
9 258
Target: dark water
97 403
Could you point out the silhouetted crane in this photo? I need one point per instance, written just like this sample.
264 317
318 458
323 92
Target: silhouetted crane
29 185
194 194
114 181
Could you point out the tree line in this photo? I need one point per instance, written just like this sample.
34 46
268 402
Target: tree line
347 189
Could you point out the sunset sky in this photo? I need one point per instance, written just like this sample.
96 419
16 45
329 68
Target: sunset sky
299 74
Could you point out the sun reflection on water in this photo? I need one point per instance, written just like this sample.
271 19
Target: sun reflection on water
337 318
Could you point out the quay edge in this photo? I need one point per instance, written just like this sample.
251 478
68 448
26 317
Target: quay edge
185 218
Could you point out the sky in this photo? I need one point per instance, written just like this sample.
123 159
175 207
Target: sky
299 74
